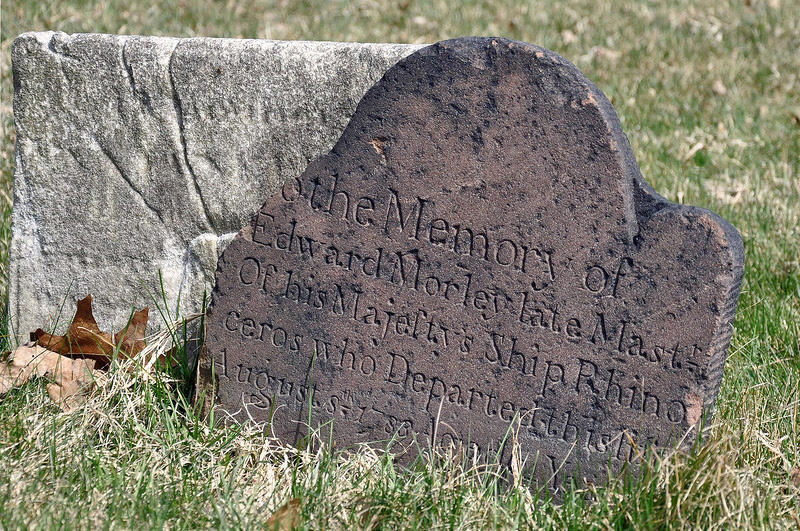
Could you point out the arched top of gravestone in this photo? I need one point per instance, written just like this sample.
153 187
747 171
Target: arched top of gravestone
509 121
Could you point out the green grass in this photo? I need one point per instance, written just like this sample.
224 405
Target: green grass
709 95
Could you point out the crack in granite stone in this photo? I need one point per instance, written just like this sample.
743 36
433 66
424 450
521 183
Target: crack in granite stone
128 180
182 135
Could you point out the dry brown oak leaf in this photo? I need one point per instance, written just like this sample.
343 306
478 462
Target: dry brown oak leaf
68 377
84 339
286 518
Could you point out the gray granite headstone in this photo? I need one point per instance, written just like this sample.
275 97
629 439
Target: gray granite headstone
140 154
478 255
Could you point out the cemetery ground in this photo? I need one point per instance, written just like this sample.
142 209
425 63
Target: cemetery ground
709 95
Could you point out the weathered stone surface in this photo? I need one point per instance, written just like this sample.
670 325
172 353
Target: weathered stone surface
478 249
136 154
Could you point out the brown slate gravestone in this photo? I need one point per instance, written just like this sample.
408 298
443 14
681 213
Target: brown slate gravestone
478 250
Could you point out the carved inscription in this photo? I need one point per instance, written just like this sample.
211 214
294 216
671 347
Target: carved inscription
476 259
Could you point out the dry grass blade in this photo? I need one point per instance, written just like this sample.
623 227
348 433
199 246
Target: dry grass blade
161 344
